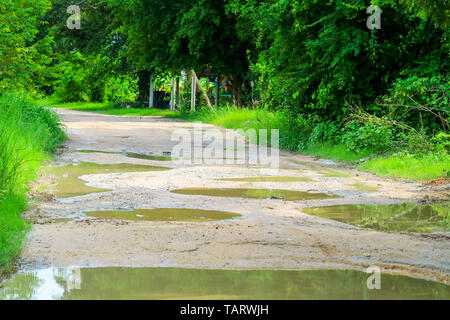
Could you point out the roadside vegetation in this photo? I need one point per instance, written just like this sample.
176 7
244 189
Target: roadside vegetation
28 134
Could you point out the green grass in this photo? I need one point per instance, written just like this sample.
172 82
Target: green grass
27 134
249 118
336 152
107 108
12 230
410 167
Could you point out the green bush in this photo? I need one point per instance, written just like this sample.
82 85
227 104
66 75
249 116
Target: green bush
90 79
120 89
370 136
71 84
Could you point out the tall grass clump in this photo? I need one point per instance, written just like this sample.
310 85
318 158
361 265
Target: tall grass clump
28 133
291 130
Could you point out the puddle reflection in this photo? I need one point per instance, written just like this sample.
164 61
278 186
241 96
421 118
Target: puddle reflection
163 214
289 195
172 283
410 217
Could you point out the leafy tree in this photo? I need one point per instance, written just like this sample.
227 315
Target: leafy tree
184 34
85 59
23 57
317 57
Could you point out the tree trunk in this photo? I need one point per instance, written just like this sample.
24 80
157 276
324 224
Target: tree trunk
236 87
143 85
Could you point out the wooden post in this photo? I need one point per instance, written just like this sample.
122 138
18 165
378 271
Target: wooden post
193 90
177 92
217 92
205 94
172 95
150 96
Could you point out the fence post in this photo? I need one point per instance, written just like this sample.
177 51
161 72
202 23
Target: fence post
172 95
193 90
150 96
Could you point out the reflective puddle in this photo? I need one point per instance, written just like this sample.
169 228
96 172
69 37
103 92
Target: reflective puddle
172 283
409 217
289 195
64 182
268 179
131 155
361 187
163 214
57 220
333 174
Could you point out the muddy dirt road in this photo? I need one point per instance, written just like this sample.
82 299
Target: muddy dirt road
269 234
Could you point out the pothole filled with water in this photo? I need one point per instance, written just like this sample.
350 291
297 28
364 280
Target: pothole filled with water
131 155
333 174
289 195
163 214
64 181
409 217
361 187
116 283
268 179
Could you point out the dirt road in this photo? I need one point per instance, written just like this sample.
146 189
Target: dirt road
270 234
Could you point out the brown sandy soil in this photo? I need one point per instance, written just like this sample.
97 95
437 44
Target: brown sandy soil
270 234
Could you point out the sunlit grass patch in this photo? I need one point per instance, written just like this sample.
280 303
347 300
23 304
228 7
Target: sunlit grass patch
336 152
410 167
12 229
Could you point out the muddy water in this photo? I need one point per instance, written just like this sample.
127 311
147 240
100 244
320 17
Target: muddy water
410 217
268 179
171 283
361 187
334 174
131 155
64 182
288 195
164 214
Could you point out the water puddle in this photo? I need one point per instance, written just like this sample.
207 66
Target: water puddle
147 157
57 220
268 179
288 195
362 187
409 217
163 214
117 283
333 174
64 182
131 155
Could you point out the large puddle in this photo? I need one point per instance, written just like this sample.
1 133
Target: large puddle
64 181
163 214
268 179
289 195
170 283
130 155
409 217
